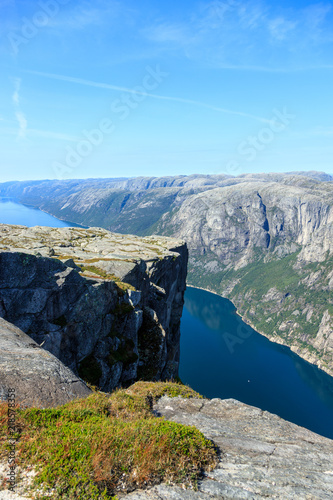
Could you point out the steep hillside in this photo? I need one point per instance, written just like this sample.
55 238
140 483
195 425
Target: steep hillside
263 240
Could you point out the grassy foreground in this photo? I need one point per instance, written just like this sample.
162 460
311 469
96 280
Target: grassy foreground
93 448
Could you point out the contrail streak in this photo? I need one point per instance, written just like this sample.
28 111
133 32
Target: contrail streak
107 86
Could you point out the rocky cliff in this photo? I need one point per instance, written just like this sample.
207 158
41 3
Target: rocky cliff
268 247
106 305
31 375
265 241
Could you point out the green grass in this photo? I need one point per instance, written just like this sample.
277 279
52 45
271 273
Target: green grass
92 448
257 276
198 275
97 271
123 211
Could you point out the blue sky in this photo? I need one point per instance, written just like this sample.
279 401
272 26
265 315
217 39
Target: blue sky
118 89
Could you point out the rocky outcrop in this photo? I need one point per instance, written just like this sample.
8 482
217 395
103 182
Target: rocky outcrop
108 306
261 455
32 375
247 236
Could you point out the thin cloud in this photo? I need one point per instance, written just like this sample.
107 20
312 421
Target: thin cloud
322 132
107 86
267 69
166 32
52 135
15 97
315 15
23 124
86 16
40 133
280 28
251 16
79 19
250 33
20 116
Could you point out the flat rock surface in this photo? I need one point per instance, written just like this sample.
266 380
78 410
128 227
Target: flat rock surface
37 377
97 250
261 455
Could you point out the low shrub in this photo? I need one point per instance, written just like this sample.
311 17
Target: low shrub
94 447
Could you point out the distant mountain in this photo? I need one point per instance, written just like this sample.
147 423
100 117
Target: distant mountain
263 240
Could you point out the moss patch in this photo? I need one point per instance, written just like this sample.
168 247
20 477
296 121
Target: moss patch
97 271
158 389
92 448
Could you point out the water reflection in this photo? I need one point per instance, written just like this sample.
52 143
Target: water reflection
223 357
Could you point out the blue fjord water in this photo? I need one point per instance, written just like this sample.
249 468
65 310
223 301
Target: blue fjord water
15 213
223 357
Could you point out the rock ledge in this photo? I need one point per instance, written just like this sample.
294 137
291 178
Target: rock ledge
261 455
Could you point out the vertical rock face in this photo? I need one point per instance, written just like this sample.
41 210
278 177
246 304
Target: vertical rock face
108 306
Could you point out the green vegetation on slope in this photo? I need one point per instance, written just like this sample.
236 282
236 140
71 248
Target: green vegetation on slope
95 447
122 211
300 295
261 277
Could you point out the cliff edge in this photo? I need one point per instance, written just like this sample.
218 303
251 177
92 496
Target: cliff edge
108 306
265 241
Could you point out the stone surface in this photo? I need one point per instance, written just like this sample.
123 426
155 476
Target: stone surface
107 305
261 455
37 377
